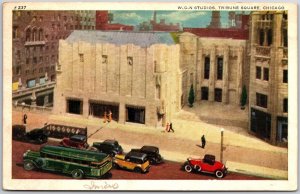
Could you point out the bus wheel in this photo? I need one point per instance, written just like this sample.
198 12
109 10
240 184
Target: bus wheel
28 165
77 174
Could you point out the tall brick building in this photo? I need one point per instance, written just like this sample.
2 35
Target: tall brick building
35 43
268 99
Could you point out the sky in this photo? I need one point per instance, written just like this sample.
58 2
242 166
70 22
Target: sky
194 19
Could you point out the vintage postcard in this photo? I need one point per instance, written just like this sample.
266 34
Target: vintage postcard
150 96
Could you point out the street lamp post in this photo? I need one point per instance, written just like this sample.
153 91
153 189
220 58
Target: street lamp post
221 147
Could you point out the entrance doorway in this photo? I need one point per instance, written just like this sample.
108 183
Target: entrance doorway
204 93
218 95
261 124
135 114
74 106
282 129
97 109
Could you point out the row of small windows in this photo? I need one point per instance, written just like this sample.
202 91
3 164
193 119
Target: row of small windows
266 37
105 59
265 73
33 71
265 76
262 101
219 68
35 60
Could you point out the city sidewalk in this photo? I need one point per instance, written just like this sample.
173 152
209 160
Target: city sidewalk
243 153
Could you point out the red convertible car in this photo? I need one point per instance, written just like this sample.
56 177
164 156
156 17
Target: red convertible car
75 141
206 165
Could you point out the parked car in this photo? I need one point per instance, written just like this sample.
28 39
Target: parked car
75 141
38 135
206 165
152 154
135 161
110 147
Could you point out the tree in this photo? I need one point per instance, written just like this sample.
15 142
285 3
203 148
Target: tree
191 96
244 97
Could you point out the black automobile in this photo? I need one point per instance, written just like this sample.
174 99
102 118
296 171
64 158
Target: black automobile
108 146
152 154
38 135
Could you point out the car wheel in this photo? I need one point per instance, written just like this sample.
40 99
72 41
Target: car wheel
77 174
219 174
28 165
188 168
138 170
198 168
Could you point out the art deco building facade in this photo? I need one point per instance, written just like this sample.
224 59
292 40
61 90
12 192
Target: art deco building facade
136 76
268 100
35 44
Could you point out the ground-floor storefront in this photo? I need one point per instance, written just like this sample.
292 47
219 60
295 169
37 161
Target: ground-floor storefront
120 111
260 125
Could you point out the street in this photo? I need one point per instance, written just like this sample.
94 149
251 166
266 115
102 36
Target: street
166 171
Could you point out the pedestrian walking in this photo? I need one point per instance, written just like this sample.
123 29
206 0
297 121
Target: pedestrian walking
203 141
105 117
25 119
167 127
171 128
109 116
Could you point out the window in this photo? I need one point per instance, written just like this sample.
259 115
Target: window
219 68
15 32
104 59
41 19
270 36
285 38
18 55
81 58
266 74
261 100
258 72
130 60
27 61
41 70
206 67
34 60
285 105
18 70
285 76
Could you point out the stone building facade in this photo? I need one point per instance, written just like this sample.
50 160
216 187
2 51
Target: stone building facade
268 99
215 67
133 75
35 44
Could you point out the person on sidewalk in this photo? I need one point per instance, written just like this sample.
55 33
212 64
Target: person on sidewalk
167 127
171 128
105 117
109 116
25 119
203 141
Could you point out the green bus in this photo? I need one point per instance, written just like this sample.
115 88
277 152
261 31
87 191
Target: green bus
78 163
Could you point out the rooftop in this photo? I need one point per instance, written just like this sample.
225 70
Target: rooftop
143 39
